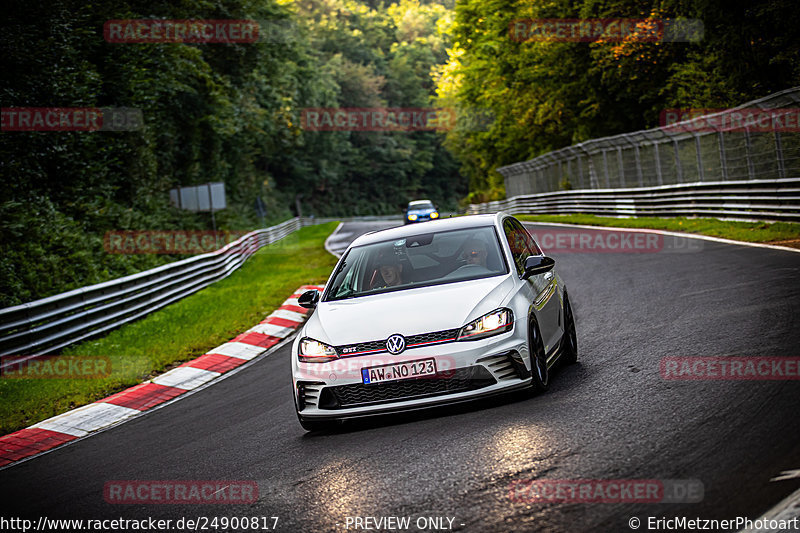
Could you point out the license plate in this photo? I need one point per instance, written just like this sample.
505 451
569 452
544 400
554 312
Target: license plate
396 371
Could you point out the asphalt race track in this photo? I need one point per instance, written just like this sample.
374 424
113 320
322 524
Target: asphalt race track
611 416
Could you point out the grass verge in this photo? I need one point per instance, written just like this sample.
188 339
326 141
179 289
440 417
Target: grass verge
785 233
179 332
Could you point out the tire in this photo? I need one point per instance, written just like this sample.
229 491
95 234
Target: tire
569 353
540 375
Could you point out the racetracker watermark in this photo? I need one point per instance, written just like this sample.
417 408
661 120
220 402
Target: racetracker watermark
598 241
377 119
71 119
55 367
709 120
181 31
606 491
730 368
394 119
611 30
180 492
612 241
182 242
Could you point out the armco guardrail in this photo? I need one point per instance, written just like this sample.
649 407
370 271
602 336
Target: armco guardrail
49 324
757 199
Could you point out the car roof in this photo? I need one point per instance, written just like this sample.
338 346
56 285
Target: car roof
444 224
419 202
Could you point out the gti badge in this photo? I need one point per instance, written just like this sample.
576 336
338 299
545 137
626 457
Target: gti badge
395 344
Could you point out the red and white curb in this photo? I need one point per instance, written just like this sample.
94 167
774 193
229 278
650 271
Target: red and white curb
114 409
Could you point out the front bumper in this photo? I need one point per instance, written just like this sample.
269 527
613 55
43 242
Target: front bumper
465 371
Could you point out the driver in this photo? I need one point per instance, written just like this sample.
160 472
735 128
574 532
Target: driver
476 252
391 269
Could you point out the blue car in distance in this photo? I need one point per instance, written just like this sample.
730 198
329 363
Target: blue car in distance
420 211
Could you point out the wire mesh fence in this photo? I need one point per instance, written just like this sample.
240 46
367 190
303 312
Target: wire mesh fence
755 141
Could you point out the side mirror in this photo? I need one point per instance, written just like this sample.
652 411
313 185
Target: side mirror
309 299
538 264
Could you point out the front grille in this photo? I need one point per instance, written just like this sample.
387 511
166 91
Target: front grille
353 349
436 337
460 380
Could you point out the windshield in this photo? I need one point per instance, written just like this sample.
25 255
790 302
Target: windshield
420 205
417 261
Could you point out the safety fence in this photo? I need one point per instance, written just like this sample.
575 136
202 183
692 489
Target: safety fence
676 169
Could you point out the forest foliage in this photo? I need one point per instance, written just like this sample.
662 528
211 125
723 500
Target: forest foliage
547 94
212 112
232 112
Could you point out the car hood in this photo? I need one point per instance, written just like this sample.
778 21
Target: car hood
426 211
408 312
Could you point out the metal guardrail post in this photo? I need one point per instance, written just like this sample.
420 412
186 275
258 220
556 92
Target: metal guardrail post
569 171
605 166
748 150
638 165
700 172
659 177
779 155
593 181
723 161
678 166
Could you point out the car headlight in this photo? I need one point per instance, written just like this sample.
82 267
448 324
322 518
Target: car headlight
412 217
434 215
494 323
311 351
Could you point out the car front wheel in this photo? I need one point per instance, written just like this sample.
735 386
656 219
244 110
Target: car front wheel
570 343
540 374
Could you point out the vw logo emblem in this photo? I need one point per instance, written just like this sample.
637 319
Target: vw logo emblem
395 344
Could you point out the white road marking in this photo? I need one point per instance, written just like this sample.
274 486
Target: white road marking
185 377
787 474
288 315
239 350
86 419
272 330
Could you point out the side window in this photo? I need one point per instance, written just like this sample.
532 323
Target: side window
521 243
517 245
530 243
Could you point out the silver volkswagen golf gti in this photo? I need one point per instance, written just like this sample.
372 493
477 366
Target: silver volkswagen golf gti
427 314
